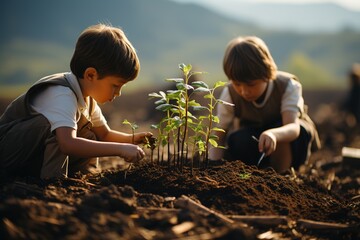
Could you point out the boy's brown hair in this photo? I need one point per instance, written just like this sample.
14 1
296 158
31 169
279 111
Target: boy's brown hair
247 59
106 49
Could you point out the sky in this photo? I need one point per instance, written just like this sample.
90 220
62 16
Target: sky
349 4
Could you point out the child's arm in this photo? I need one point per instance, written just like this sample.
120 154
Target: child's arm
288 132
70 144
104 133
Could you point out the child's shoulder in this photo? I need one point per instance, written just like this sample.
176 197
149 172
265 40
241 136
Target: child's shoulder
54 79
284 80
55 84
285 76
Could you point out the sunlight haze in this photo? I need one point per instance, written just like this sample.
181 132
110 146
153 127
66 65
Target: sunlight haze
348 4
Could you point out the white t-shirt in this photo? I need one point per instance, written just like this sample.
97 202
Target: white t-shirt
61 107
292 100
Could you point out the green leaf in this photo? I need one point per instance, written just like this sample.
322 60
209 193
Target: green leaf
173 94
208 96
164 142
201 89
177 123
201 146
188 87
132 125
163 94
214 137
197 73
199 108
154 94
181 102
203 133
160 101
126 122
200 84
215 119
198 128
164 107
183 86
193 103
168 128
218 129
175 110
213 142
182 66
219 84
180 86
185 68
244 175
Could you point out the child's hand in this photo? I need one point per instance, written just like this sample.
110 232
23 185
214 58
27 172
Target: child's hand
132 153
267 142
141 137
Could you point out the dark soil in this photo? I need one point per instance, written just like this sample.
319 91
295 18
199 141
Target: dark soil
143 202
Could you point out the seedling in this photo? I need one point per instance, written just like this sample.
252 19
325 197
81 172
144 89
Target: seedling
186 131
151 144
244 174
133 127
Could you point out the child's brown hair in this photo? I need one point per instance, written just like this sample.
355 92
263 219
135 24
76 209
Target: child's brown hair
106 49
247 59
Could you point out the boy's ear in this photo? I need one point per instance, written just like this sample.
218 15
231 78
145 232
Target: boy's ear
90 74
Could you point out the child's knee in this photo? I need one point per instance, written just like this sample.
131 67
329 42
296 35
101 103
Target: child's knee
240 139
281 158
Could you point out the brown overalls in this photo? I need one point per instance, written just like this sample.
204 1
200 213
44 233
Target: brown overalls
28 147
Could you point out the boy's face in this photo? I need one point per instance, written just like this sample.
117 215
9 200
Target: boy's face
106 89
250 91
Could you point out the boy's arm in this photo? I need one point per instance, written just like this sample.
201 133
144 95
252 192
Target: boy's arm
70 144
104 133
290 129
288 132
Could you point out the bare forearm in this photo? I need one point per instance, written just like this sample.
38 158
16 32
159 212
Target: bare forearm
70 144
286 133
86 148
115 136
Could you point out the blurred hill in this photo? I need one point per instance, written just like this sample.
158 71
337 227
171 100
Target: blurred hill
290 15
38 38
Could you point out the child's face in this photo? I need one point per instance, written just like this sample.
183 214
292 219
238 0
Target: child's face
107 88
250 91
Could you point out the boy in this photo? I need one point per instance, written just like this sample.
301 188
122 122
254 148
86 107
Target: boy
269 114
57 124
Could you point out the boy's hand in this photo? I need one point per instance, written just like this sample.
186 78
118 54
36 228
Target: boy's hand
132 153
141 137
267 142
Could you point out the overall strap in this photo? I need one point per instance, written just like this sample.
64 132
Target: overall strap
281 81
20 108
